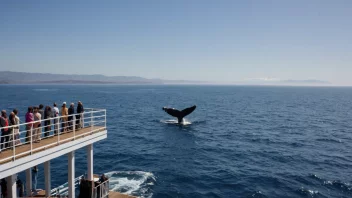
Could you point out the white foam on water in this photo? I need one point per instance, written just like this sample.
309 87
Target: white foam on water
313 192
184 123
137 183
44 89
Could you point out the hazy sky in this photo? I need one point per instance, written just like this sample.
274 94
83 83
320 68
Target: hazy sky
200 40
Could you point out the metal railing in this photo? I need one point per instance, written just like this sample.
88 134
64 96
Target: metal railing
102 190
62 191
55 127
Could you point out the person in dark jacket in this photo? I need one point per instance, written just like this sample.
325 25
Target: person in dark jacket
79 115
5 131
3 185
20 187
71 111
47 123
40 110
12 123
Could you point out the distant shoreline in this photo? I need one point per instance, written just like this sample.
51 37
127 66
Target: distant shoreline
24 78
173 84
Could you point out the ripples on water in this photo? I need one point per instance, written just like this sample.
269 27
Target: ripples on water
243 141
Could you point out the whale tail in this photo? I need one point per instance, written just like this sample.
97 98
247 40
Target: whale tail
179 114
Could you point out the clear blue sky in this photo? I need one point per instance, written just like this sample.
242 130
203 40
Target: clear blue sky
182 39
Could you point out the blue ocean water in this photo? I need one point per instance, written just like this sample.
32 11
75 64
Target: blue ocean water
244 141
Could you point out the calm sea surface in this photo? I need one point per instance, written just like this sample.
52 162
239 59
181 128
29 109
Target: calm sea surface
243 141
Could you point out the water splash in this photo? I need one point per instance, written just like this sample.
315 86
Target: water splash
136 183
258 194
310 193
184 123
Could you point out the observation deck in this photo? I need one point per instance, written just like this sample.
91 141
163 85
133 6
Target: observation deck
29 144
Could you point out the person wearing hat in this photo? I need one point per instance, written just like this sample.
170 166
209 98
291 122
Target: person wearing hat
64 114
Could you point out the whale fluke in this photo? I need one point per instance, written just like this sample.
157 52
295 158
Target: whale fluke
179 114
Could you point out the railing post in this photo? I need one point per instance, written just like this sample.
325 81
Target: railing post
58 138
31 138
91 119
82 120
105 117
74 126
13 144
58 125
58 129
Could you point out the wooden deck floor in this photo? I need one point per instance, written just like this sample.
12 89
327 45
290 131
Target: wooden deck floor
22 150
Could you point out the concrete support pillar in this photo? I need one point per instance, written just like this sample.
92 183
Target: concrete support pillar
11 186
47 176
71 174
90 162
28 182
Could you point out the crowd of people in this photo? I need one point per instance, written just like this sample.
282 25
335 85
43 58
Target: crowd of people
39 122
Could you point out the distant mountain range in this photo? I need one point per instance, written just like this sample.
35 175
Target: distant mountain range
317 82
9 77
278 82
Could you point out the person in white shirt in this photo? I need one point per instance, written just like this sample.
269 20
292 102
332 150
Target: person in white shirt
17 128
56 120
37 129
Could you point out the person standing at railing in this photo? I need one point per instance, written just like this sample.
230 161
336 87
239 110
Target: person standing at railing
17 128
5 131
3 184
64 114
34 179
20 187
29 126
103 178
71 111
47 122
13 125
79 116
41 111
56 120
37 123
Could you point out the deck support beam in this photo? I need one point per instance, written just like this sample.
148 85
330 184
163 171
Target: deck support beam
29 182
90 162
71 174
47 175
11 186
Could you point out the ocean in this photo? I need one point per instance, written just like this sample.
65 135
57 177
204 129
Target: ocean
243 141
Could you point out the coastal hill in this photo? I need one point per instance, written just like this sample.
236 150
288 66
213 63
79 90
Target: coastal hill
9 77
